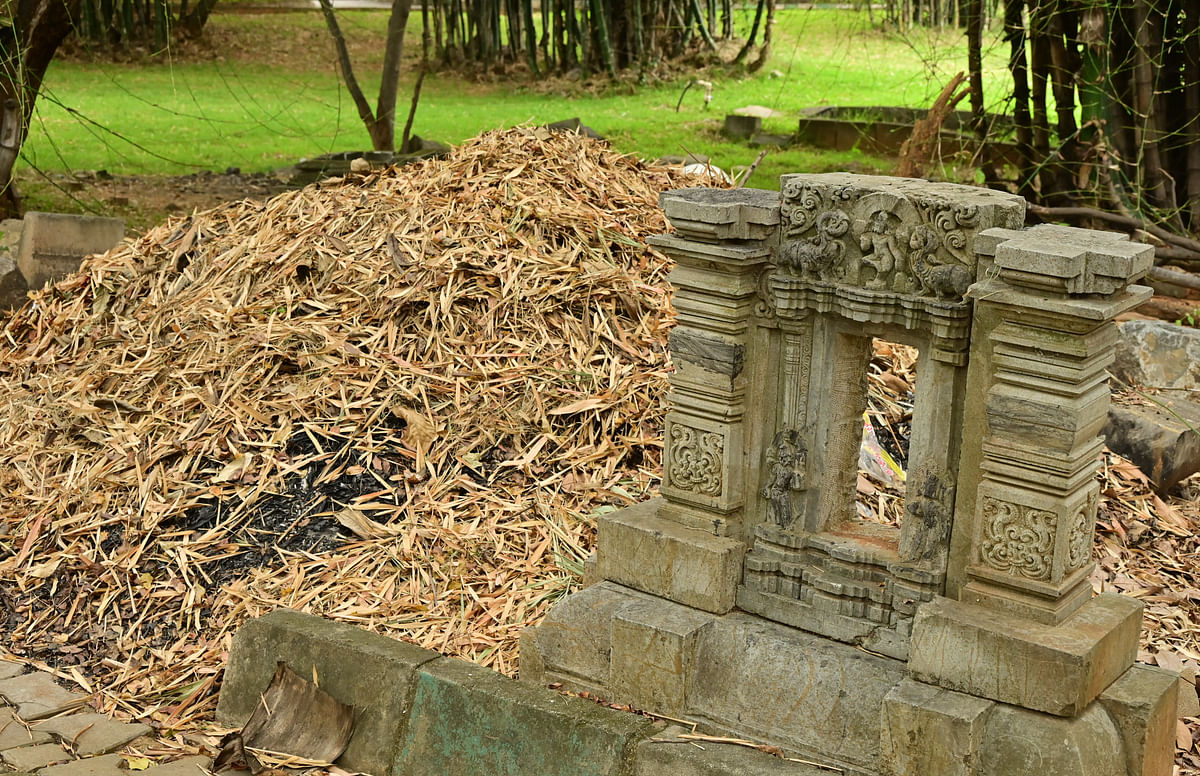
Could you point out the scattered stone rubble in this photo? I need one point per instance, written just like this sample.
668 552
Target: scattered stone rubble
1158 426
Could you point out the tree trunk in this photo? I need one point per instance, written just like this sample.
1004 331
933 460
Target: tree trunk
1191 76
192 22
347 68
28 42
764 53
974 11
1014 31
383 133
758 13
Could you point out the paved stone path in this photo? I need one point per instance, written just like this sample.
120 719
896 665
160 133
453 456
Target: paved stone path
49 731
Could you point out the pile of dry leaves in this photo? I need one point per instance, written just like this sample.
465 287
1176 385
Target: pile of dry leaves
397 400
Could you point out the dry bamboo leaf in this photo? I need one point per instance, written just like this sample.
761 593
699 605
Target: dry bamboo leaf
362 526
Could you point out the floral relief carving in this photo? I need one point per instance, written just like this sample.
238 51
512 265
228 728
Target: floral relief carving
696 460
1079 538
1017 539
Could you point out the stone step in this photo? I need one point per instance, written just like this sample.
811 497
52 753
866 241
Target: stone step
13 732
104 765
89 733
35 757
38 696
196 765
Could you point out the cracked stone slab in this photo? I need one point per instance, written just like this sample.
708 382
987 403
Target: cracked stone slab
36 696
90 733
104 765
9 669
13 732
31 758
187 766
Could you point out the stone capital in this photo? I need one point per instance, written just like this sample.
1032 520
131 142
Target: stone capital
722 214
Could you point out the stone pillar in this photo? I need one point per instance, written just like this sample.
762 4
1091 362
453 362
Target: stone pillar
1025 629
1049 311
1019 627
722 242
688 546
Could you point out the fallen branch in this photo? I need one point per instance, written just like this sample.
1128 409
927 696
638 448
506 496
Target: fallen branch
744 177
1175 277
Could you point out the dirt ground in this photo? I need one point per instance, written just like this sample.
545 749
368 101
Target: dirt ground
146 200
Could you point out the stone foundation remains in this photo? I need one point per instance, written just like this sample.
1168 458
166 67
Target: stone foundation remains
751 598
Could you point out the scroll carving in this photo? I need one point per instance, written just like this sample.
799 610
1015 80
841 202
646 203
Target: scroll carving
1017 539
1079 538
696 460
885 243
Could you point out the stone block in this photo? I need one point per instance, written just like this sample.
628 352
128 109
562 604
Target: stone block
37 696
722 214
1142 703
1189 703
371 672
666 754
572 644
53 244
638 549
929 730
13 732
591 571
741 127
13 287
1019 742
1058 669
197 765
91 733
757 679
32 758
1161 440
467 720
1157 354
10 668
1072 261
104 765
653 654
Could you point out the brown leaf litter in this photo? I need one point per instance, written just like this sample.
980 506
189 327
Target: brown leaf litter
396 400
462 360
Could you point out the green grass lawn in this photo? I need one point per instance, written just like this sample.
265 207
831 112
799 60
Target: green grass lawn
268 95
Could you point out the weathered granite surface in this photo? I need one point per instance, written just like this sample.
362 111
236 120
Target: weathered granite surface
1160 436
1158 355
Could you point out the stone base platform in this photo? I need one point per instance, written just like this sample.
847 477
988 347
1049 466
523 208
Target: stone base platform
837 704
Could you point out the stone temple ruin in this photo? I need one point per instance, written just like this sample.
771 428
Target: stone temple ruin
751 599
